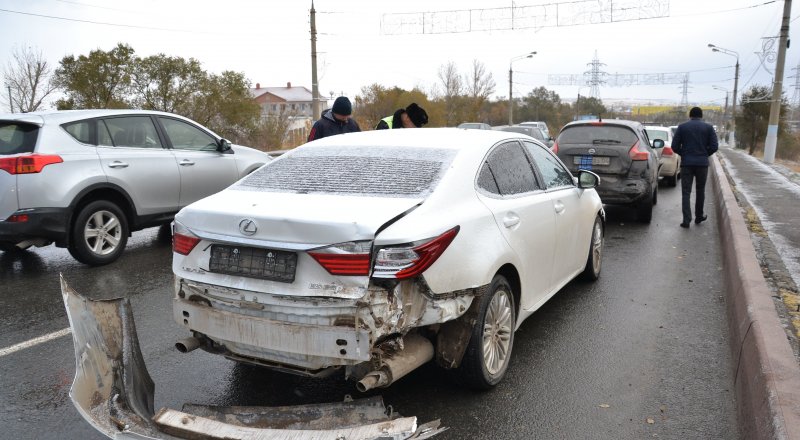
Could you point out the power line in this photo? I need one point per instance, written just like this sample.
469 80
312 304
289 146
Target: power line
131 26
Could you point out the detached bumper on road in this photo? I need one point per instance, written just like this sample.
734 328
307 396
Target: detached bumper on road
113 391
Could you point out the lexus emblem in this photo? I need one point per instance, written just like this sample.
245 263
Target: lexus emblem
248 227
592 151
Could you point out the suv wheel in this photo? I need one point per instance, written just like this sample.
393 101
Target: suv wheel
99 234
489 351
644 210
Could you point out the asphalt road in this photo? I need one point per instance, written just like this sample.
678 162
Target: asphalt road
641 353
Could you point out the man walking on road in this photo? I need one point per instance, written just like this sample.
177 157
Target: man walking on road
335 121
695 141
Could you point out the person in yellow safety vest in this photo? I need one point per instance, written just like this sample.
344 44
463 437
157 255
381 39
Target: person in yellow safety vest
412 116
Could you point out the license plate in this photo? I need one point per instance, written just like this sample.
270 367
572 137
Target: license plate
591 160
268 264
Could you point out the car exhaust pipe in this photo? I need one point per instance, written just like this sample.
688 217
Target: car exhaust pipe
416 352
186 345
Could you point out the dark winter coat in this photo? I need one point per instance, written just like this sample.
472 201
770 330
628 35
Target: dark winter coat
695 141
327 125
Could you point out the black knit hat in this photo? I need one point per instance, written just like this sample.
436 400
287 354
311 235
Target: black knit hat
417 114
696 112
342 106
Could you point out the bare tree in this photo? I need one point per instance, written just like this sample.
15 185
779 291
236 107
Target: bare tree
481 84
28 75
452 91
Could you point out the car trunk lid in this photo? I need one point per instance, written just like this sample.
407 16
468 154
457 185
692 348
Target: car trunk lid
291 221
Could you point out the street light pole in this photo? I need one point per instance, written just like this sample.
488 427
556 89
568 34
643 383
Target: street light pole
771 142
510 85
735 87
727 93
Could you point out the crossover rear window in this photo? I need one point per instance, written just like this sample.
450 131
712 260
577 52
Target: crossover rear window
588 134
17 137
379 171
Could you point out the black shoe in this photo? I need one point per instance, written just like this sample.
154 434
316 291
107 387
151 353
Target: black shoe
684 225
699 220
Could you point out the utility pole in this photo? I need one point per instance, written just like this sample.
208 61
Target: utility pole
775 109
511 85
510 97
10 102
314 84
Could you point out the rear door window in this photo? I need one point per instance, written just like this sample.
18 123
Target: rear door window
133 131
511 170
17 137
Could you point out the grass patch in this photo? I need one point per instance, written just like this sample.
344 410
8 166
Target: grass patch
792 301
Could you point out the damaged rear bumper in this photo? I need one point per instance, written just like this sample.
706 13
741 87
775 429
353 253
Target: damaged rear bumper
113 391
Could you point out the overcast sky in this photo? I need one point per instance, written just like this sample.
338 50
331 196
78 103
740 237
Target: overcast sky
358 45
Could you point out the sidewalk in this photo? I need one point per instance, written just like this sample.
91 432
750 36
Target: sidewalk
767 378
775 199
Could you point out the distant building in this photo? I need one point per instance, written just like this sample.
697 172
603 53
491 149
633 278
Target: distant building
296 101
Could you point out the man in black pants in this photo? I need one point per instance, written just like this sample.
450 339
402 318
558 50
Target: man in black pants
695 141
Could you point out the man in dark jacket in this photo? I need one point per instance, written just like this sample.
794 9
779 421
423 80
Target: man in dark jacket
412 116
335 121
695 141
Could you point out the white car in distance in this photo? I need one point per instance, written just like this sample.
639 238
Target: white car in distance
372 253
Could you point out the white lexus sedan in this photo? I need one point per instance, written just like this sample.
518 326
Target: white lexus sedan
369 254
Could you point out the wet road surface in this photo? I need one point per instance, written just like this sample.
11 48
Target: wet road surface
641 353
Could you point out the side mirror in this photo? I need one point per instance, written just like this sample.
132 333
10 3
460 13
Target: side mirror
223 145
658 143
587 179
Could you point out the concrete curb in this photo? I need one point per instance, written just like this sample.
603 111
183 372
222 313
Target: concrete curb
767 377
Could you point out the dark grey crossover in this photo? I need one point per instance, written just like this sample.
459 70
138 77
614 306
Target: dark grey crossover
620 153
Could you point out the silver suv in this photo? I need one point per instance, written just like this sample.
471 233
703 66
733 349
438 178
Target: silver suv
86 179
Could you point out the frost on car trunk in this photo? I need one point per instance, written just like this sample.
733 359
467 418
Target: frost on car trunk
113 391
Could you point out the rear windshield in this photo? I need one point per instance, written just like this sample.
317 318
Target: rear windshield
17 137
656 134
597 134
384 172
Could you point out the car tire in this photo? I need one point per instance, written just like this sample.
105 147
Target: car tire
644 210
594 262
99 233
488 354
7 246
673 179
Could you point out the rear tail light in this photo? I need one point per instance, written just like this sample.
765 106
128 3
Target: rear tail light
667 151
183 241
637 154
350 258
409 261
554 148
18 218
29 164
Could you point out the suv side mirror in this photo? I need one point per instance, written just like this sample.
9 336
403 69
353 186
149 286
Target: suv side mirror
224 145
587 179
658 143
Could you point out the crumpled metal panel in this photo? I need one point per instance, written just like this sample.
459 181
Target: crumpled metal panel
113 391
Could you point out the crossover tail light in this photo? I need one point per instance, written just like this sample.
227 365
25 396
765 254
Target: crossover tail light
667 151
409 261
28 164
351 258
554 148
636 154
